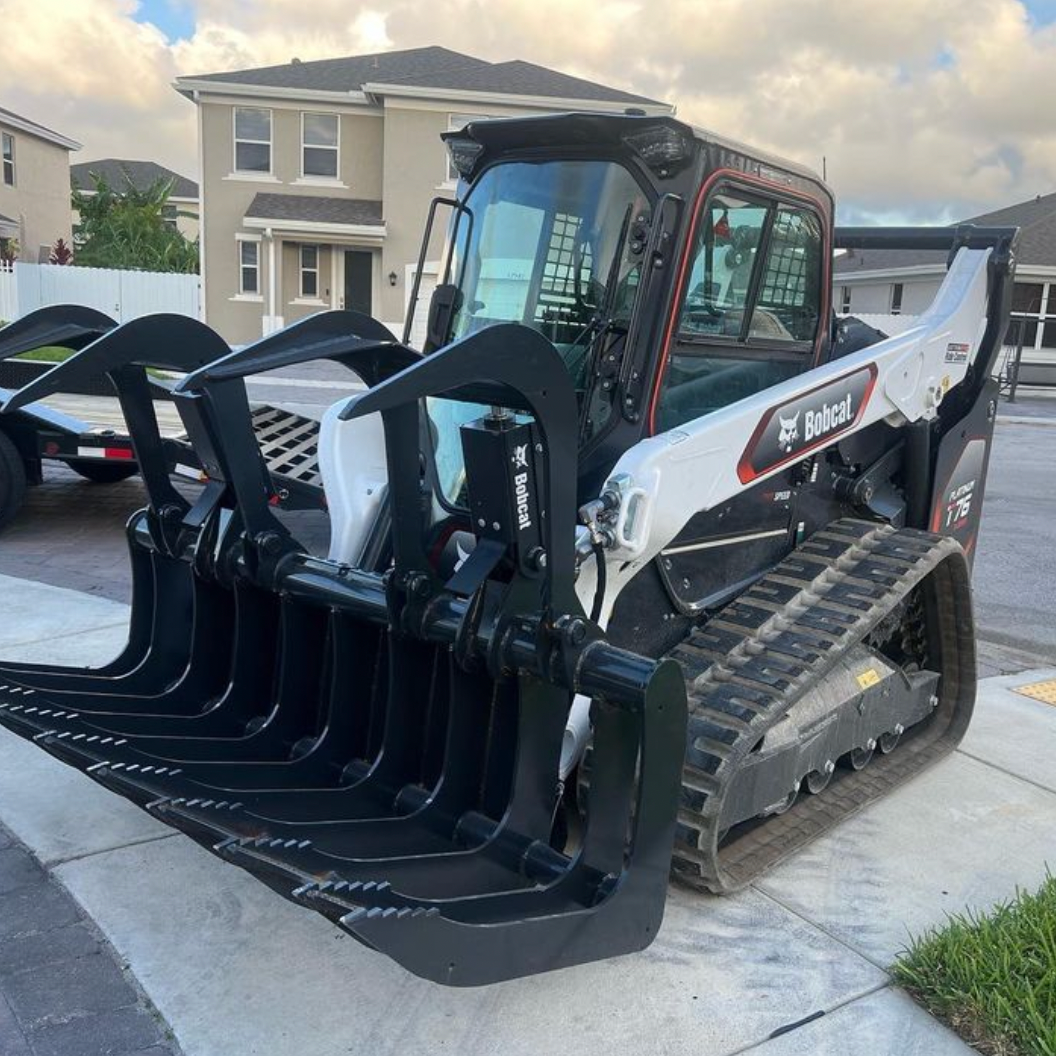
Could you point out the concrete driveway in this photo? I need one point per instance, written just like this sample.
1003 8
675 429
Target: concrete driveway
795 964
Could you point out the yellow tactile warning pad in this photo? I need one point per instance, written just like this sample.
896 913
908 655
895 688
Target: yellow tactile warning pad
1043 691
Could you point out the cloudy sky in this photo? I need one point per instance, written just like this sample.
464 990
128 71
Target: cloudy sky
926 110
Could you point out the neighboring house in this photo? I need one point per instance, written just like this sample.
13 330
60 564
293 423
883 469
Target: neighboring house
897 282
182 208
316 177
34 186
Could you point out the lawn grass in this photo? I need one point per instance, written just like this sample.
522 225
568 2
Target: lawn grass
992 976
54 354
47 354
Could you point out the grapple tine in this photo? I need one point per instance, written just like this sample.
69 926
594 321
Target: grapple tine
157 635
497 765
145 608
608 902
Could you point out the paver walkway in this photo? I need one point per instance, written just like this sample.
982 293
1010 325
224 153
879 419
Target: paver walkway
63 991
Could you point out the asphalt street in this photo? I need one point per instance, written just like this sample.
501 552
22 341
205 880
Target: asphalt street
1015 569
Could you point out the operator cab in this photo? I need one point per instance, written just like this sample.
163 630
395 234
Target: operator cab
675 272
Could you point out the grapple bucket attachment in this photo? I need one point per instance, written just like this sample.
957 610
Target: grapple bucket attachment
396 767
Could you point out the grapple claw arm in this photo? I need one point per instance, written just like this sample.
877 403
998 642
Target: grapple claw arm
512 366
171 342
60 325
352 339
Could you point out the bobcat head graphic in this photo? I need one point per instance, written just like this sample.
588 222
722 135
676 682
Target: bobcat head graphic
789 432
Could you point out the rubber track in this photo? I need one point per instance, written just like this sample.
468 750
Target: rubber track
746 667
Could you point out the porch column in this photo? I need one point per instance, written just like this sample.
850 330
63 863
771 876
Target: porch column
272 276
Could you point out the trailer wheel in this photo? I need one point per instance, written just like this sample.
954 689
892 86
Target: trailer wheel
12 480
103 472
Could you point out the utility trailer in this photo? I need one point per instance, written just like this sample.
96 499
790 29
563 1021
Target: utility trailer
101 450
641 569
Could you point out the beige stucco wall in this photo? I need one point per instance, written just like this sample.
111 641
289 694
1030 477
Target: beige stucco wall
40 198
874 297
415 173
188 218
226 196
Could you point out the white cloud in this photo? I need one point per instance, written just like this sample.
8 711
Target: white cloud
923 108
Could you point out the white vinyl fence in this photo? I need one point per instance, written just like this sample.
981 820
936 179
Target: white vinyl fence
123 295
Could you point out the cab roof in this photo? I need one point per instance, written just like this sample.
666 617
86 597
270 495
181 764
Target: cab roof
586 129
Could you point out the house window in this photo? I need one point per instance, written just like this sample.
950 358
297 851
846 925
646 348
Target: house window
845 299
248 267
1033 316
455 123
252 139
320 144
9 158
310 272
896 298
169 215
1026 297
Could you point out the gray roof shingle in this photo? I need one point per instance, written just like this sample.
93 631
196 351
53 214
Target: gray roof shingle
521 78
315 208
430 67
1036 219
119 173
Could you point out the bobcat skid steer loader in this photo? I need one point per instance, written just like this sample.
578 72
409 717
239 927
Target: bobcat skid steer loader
640 569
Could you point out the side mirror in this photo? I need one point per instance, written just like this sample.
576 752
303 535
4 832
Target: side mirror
443 307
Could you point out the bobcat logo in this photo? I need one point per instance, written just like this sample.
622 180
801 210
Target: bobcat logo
789 432
520 456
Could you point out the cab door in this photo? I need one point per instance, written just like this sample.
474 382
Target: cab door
747 319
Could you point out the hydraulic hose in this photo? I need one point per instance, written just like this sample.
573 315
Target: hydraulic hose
599 590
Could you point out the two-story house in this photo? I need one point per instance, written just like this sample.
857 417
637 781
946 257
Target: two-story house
181 210
34 186
316 177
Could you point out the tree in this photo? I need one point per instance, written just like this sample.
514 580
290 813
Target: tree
130 229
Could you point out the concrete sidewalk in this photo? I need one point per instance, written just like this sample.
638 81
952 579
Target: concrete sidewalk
236 970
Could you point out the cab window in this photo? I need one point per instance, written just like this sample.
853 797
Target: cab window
750 308
790 294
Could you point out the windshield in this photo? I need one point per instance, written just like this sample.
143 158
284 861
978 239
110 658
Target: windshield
557 246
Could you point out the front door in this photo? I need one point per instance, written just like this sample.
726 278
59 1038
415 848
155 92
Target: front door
359 272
